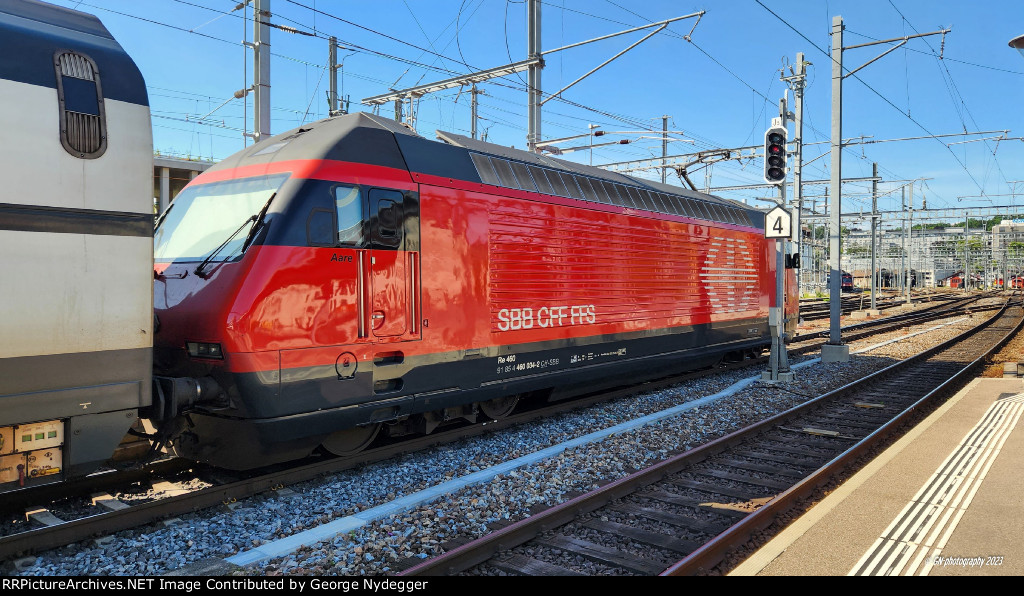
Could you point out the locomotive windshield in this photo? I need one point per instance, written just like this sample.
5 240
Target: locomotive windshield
203 218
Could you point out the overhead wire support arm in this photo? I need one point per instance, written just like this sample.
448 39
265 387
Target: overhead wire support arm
603 64
459 81
660 24
902 41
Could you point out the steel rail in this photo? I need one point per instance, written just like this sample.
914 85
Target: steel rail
477 551
713 552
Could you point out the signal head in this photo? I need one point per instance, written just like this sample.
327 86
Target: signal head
775 155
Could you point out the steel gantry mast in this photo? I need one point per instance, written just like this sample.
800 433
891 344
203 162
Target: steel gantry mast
835 350
261 68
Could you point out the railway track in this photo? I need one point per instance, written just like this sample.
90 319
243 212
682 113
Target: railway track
107 515
682 516
820 310
810 341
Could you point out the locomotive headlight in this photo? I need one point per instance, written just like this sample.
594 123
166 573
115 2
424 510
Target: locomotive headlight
204 350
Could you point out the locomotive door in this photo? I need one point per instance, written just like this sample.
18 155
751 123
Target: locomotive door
393 280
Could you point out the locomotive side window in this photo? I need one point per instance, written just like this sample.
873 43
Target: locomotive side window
601 196
542 180
387 218
348 205
483 167
652 202
504 171
570 186
556 183
320 228
663 204
686 206
586 188
609 191
701 208
523 176
639 200
668 204
619 196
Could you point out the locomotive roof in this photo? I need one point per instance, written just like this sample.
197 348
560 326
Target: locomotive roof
540 159
372 139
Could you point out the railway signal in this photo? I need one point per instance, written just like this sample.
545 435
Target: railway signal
775 155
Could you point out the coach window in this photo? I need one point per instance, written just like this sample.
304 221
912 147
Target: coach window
348 205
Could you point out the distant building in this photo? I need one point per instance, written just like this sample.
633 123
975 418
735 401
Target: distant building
170 175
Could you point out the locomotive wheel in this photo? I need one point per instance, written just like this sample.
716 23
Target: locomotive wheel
499 407
351 440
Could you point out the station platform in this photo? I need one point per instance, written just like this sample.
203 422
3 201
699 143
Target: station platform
946 499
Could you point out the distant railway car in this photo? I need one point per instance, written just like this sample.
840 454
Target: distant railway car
846 282
1017 283
76 228
957 281
351 277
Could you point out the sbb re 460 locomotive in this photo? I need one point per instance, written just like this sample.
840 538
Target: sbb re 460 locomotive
351 277
340 280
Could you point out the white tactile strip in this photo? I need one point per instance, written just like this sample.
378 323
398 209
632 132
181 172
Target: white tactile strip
913 542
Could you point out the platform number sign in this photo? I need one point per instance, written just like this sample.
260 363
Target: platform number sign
778 223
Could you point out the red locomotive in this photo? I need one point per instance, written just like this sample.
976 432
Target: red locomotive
351 276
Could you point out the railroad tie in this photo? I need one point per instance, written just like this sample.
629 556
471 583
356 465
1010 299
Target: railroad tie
108 502
43 516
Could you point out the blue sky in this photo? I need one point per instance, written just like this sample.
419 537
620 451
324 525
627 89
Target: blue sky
721 88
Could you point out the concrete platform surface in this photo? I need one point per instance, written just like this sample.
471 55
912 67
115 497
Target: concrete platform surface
946 499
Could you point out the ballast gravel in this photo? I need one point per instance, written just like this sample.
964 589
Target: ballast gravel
375 548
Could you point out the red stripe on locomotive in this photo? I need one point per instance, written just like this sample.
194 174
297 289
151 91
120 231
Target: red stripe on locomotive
495 271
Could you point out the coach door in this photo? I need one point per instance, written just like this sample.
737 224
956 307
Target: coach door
394 264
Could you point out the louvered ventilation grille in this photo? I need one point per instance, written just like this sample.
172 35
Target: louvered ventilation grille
83 130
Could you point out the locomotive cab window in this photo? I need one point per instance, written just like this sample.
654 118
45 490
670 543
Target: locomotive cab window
214 222
386 218
348 205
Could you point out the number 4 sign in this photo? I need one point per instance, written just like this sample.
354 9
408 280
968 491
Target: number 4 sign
778 223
